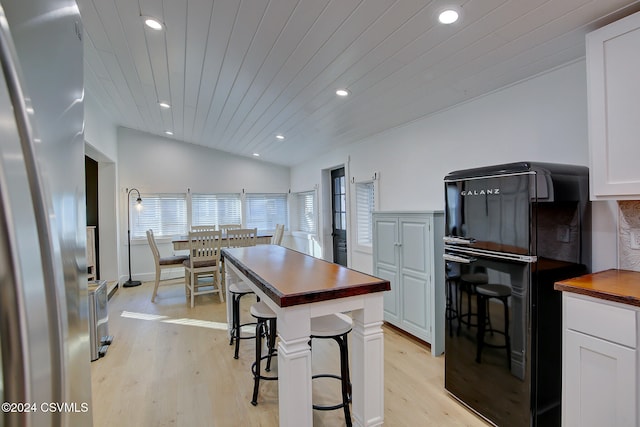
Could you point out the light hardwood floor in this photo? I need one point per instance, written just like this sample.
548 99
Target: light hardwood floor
170 365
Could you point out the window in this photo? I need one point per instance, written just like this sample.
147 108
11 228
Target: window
208 209
165 214
365 204
305 208
264 211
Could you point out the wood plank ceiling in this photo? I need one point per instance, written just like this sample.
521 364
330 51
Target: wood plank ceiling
238 72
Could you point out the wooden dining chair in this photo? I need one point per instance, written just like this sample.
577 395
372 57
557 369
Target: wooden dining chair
203 228
276 239
204 260
162 262
225 227
241 237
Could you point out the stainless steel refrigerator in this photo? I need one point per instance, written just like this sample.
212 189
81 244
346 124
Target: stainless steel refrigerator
44 334
511 231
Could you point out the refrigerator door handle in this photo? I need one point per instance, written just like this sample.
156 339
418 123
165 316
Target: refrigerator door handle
458 240
474 252
459 258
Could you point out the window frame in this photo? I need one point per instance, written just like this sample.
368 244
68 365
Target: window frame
270 223
215 199
138 230
161 228
297 214
359 245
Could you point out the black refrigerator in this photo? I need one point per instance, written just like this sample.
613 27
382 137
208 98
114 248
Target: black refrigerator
512 230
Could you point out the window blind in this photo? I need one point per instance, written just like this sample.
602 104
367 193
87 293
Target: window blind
215 209
264 211
165 214
365 204
306 212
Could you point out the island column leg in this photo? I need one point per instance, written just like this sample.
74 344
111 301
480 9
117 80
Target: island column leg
367 366
294 368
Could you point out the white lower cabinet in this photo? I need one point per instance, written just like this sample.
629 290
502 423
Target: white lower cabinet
600 363
407 251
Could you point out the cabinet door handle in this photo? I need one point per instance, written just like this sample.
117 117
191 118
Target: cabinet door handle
398 244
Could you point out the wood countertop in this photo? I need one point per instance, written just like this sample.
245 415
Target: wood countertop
291 278
622 286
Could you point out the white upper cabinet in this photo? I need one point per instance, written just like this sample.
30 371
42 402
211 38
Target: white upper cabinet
613 70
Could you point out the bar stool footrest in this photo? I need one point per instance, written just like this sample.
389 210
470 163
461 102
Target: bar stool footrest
495 331
242 337
263 377
332 407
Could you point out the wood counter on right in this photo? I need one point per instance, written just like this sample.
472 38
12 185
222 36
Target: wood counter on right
621 286
600 360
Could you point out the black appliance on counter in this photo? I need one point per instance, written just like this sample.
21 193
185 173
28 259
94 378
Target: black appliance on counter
523 226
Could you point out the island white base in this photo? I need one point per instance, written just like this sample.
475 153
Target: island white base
294 354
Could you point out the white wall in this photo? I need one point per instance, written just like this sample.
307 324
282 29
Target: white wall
101 144
154 164
99 131
540 119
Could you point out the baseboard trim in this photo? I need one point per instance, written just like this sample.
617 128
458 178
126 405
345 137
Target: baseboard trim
408 335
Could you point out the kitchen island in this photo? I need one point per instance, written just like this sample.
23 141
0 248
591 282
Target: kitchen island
298 287
600 357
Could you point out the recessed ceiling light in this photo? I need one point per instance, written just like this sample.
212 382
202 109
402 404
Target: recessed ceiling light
168 132
153 23
448 16
280 136
342 92
164 104
256 155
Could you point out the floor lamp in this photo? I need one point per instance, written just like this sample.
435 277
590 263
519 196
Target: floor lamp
131 283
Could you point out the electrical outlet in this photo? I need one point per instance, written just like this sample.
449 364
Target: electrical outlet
634 238
563 233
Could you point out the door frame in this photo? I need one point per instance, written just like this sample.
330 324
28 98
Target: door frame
109 247
326 208
339 227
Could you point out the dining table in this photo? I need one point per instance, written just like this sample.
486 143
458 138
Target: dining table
181 243
299 287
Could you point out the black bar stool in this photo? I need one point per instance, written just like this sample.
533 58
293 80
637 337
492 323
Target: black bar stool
265 327
332 326
336 327
451 310
468 284
485 293
237 291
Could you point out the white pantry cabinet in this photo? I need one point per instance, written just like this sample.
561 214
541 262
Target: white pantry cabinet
600 362
407 251
613 67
